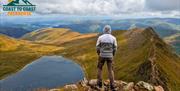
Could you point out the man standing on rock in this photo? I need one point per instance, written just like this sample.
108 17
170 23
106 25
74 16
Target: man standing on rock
106 47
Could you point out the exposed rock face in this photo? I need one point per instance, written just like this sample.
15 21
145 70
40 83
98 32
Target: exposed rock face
120 86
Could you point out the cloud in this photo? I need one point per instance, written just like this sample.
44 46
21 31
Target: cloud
163 5
130 8
89 7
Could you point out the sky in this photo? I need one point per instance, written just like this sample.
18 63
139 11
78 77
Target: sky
116 8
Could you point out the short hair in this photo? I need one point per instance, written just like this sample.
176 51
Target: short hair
107 29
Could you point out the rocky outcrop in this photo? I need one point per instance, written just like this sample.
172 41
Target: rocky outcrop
90 85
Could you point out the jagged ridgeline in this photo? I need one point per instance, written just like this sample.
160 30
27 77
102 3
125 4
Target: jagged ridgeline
141 54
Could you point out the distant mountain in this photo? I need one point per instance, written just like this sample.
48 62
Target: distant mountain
174 40
142 55
17 30
163 26
13 31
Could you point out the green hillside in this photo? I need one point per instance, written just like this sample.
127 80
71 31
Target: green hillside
55 36
7 43
15 54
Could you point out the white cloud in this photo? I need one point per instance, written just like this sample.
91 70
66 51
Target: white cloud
136 8
89 7
163 5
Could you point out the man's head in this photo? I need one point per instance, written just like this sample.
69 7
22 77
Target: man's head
107 29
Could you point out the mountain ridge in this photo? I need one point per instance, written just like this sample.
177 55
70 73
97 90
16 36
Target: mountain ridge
55 36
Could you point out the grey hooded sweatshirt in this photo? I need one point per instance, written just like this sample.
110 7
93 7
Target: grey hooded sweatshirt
106 44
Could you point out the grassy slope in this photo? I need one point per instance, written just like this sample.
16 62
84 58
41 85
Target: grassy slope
15 54
55 36
7 43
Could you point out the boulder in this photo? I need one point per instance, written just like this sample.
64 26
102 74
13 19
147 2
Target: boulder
92 82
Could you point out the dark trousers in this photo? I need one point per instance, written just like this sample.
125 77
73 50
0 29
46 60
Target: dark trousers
109 62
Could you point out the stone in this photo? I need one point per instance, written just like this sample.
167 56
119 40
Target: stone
129 87
158 88
71 87
141 85
92 82
53 90
84 82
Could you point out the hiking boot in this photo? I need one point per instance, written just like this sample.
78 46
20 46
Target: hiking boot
113 88
99 84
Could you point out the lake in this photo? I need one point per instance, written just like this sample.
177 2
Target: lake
45 72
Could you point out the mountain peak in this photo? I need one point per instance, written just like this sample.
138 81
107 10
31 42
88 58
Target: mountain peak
148 32
151 31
